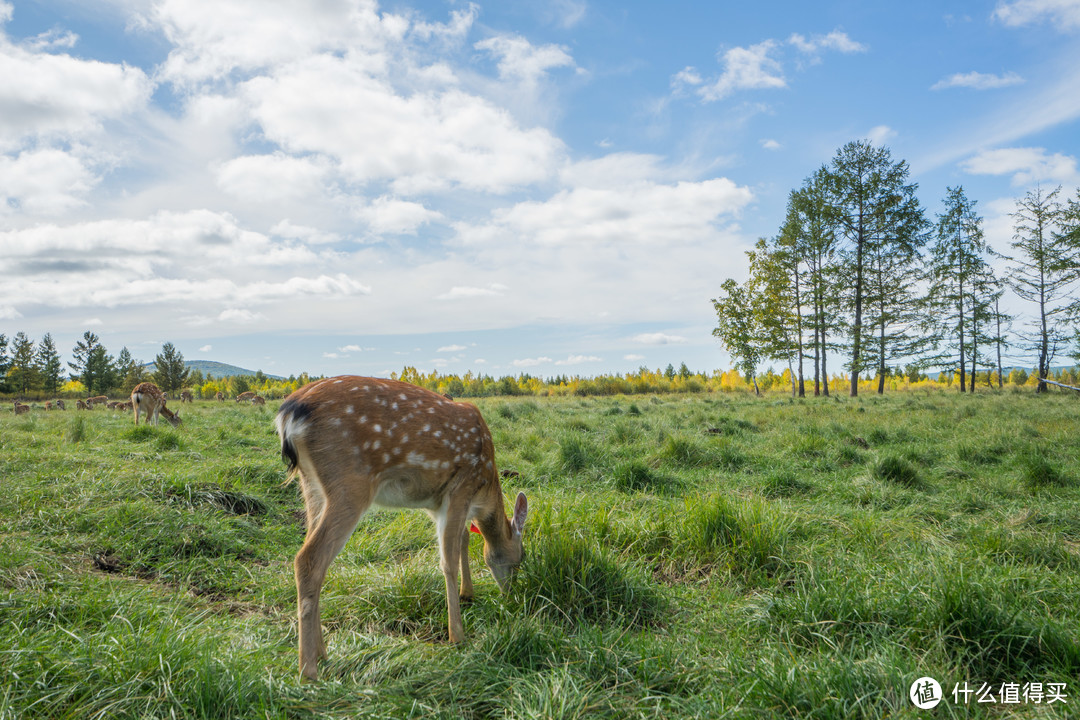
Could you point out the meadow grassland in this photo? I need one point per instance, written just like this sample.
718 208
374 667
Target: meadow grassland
700 556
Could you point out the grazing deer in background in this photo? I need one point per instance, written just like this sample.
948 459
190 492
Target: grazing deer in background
357 442
185 397
245 396
48 405
148 398
99 400
60 404
257 400
80 405
20 408
220 396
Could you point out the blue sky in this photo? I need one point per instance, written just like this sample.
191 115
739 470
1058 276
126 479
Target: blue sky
546 187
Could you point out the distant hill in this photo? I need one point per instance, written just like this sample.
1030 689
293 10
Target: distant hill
217 369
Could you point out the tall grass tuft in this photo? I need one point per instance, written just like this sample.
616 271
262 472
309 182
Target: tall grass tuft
570 578
897 470
76 431
748 536
576 452
1037 472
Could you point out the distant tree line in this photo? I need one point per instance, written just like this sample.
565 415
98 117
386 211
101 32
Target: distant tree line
36 369
857 269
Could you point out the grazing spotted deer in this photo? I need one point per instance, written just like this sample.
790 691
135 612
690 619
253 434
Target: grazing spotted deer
48 405
185 397
220 396
355 442
80 405
148 398
20 408
60 405
257 400
99 400
245 396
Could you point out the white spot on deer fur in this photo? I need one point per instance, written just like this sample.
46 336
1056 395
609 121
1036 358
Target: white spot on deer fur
427 427
445 464
377 428
393 406
367 445
376 445
403 396
396 451
335 422
349 410
338 382
386 458
354 388
363 419
404 438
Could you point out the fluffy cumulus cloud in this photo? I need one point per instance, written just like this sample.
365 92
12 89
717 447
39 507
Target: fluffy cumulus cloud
290 165
760 66
1026 165
519 59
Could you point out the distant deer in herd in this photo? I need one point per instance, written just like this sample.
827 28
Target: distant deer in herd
245 396
355 442
60 405
99 400
20 408
258 400
220 397
80 405
48 405
185 397
148 398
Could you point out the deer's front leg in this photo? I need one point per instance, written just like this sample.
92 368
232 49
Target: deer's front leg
450 551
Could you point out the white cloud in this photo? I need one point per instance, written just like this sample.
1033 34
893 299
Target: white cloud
518 59
52 39
978 81
835 40
770 144
462 292
1026 165
43 182
350 349
659 338
579 359
531 362
47 95
387 215
421 141
206 348
750 68
1063 14
272 178
461 21
451 348
642 212
880 134
633 357
241 316
7 312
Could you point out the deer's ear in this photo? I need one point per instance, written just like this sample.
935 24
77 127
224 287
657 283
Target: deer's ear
521 513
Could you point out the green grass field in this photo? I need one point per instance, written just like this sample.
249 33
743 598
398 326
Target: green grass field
702 556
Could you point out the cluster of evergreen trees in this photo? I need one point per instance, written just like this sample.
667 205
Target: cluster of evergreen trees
857 268
28 368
